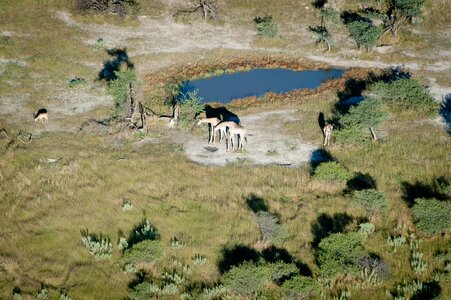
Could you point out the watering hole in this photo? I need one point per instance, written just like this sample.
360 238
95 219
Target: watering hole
227 87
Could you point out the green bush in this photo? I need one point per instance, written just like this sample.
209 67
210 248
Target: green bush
280 271
331 171
144 291
372 200
266 27
406 94
431 215
269 227
300 287
146 251
364 34
355 124
366 114
191 105
339 253
246 278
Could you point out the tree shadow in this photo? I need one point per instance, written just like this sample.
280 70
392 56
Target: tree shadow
317 157
360 182
221 113
439 189
120 57
256 204
236 255
274 254
351 16
139 278
325 225
318 4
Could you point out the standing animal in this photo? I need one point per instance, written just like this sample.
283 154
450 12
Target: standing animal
240 133
212 122
41 116
327 130
222 129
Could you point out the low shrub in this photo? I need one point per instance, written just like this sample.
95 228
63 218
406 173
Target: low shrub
281 271
331 171
366 228
246 278
372 200
144 291
98 245
270 227
145 251
339 253
300 287
406 94
266 27
432 216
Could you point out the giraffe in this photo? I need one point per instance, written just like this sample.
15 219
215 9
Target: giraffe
240 133
327 130
212 122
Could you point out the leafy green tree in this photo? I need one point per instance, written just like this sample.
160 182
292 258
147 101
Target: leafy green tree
406 94
399 12
322 35
364 34
119 88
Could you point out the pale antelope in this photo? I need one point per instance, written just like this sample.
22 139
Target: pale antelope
240 133
41 116
222 129
212 122
327 130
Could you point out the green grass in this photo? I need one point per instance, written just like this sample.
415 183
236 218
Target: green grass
45 205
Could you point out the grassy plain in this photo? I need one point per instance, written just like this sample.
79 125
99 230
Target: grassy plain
44 204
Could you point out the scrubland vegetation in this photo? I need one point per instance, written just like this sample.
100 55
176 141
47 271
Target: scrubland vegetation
94 209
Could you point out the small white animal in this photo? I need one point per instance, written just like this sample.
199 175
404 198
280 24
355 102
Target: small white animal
41 116
327 130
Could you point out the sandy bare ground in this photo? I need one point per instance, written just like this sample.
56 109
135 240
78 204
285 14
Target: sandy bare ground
267 143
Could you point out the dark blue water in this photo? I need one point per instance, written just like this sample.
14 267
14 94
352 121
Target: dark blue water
257 82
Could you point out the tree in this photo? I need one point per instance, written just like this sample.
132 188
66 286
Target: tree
401 11
364 34
322 35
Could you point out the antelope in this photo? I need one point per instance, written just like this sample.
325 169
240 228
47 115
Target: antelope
240 133
222 128
212 122
327 130
41 116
